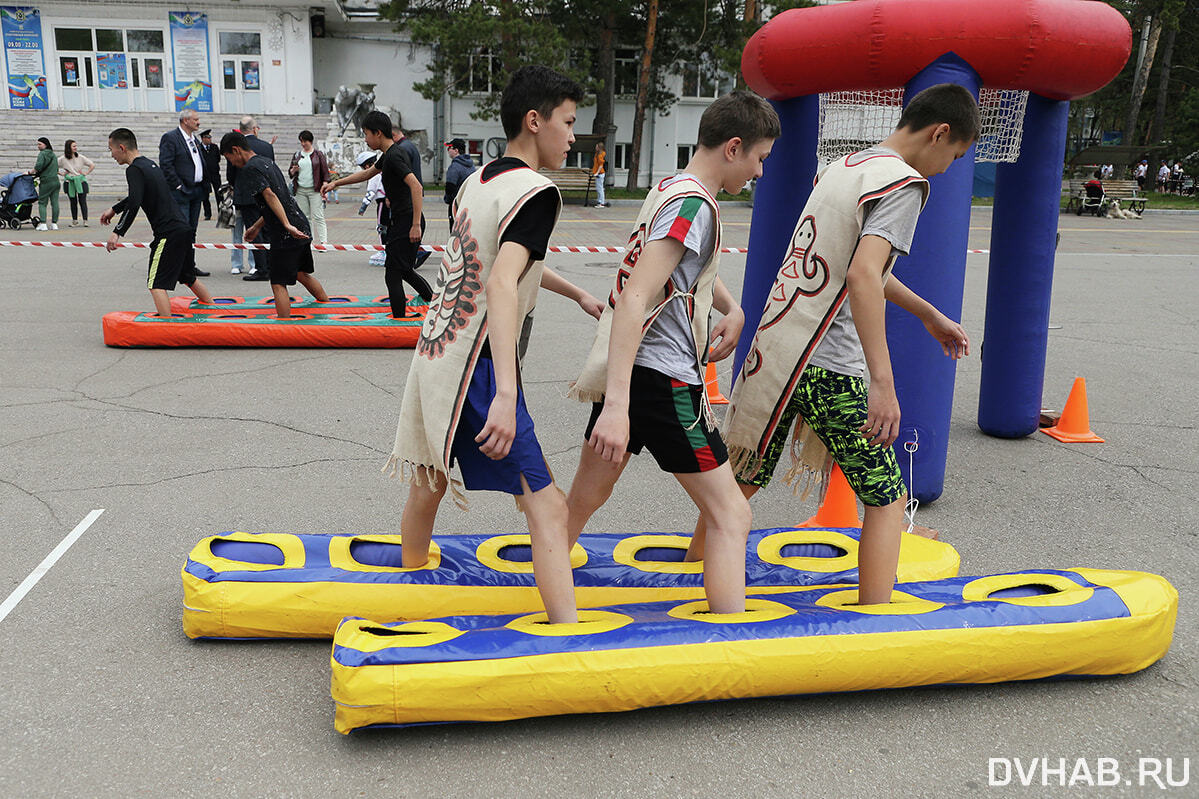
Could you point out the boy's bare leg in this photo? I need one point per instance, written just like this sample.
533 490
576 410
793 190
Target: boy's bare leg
696 549
201 291
590 489
416 523
282 300
721 502
878 552
314 287
162 302
546 512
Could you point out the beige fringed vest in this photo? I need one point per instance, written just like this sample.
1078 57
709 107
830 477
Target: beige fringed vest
593 381
455 327
807 294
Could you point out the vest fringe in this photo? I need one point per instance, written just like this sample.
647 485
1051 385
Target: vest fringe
417 474
811 462
584 395
745 462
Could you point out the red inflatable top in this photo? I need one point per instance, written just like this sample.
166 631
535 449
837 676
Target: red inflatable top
1060 49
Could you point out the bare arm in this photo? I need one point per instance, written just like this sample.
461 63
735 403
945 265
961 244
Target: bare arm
495 440
951 336
276 207
864 281
552 281
728 330
658 260
349 180
418 200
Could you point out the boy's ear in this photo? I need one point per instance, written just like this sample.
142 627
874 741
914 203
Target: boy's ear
941 132
732 148
532 120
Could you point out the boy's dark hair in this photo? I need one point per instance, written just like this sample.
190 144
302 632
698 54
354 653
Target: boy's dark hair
124 137
378 122
534 88
306 135
233 139
738 115
946 102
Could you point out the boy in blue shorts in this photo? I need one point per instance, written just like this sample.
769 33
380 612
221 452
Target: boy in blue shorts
462 401
644 376
813 349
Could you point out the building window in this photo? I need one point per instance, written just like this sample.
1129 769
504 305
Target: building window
620 155
482 65
110 41
73 38
144 41
703 80
241 43
627 67
685 153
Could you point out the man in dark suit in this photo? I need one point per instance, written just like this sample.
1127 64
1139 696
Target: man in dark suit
250 213
212 170
182 165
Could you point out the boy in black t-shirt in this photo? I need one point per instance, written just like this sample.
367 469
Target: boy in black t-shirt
172 256
404 198
260 182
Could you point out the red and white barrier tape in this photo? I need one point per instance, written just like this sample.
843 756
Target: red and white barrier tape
336 247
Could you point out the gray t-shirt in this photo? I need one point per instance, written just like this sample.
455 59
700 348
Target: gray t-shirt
894 219
669 344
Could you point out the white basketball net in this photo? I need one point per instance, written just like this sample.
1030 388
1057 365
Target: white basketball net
852 121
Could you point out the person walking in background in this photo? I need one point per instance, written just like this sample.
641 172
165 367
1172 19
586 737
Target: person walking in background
248 214
45 169
598 169
412 153
212 171
75 168
309 171
461 165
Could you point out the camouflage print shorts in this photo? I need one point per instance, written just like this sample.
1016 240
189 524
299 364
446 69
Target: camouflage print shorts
834 405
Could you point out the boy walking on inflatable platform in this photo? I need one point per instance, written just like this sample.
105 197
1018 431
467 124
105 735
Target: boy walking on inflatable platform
824 329
644 375
463 401
260 183
172 256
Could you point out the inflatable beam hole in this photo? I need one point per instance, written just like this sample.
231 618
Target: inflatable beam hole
231 316
1029 589
516 553
377 553
812 551
661 554
248 551
392 631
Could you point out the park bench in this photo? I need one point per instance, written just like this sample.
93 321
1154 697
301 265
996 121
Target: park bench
1126 191
571 179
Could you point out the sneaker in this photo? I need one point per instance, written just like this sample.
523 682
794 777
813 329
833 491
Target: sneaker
83 223
74 223
235 270
54 226
42 226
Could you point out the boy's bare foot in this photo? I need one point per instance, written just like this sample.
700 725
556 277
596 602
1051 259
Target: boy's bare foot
925 532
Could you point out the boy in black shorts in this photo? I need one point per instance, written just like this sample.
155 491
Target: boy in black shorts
261 183
172 256
644 375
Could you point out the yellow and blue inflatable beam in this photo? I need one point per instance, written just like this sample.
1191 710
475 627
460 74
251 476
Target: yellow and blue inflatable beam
1022 626
279 585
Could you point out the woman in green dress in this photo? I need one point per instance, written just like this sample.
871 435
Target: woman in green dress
48 185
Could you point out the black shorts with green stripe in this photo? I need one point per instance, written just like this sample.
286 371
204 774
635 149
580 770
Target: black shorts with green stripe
664 417
172 261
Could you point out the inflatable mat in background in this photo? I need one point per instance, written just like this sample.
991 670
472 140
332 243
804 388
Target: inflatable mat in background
337 304
1022 626
226 329
279 585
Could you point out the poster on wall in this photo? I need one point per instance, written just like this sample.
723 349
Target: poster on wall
111 67
22 28
189 47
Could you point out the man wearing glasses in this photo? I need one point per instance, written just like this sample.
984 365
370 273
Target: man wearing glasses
182 164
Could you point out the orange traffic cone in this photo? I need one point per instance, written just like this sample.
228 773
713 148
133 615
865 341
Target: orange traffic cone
1075 425
840 506
713 386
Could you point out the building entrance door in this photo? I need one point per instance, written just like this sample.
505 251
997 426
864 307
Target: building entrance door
148 83
76 73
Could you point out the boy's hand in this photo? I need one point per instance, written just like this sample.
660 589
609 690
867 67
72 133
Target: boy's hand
114 241
610 436
495 441
326 188
882 415
414 234
296 233
954 341
591 305
728 332
107 216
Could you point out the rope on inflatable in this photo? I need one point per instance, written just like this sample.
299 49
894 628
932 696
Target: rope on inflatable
335 247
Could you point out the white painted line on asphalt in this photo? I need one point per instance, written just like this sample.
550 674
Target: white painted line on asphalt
43 567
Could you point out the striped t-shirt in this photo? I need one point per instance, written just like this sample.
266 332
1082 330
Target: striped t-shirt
669 345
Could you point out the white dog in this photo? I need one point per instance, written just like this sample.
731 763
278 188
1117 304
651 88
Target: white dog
1114 211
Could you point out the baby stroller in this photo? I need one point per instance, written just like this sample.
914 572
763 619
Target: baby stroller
16 202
